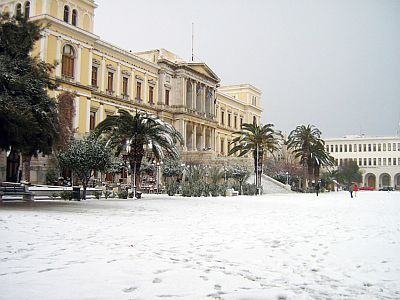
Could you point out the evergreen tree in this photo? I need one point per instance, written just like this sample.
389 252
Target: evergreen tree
28 116
348 173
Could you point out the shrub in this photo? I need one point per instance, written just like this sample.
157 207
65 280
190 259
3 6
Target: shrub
172 188
107 194
66 195
54 195
186 190
123 194
97 194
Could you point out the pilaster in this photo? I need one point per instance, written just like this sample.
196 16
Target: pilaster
118 90
90 65
145 97
132 85
78 64
88 102
103 71
43 46
58 56
194 138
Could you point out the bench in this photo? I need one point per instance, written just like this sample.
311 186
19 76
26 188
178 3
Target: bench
232 192
15 190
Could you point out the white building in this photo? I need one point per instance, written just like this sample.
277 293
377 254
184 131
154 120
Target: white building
377 157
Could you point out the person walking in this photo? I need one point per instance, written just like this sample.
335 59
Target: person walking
355 187
351 190
317 187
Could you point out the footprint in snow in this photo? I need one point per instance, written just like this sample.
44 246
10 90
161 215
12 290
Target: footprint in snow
157 280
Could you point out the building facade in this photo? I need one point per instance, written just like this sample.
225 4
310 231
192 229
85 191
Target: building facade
377 157
106 78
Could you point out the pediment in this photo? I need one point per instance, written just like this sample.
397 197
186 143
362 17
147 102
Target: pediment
203 69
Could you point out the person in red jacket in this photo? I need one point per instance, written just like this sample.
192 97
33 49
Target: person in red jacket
355 188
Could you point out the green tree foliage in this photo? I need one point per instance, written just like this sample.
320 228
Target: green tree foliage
348 173
240 174
140 131
309 148
28 116
258 140
85 156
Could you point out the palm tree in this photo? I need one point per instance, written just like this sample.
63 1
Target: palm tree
309 148
133 133
257 140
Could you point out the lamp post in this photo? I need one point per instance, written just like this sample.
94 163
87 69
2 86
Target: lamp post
158 177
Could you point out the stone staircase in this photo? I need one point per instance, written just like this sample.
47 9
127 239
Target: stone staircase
271 186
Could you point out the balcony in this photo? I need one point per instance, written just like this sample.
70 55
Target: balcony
110 92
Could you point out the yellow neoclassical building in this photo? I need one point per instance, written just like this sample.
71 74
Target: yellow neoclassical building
106 78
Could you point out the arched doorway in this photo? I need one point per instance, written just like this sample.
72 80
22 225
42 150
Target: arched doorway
370 180
384 180
13 161
397 181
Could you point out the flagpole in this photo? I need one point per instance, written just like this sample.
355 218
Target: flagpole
192 38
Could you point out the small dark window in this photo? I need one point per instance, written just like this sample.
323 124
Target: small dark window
138 90
110 81
254 120
18 10
27 9
94 76
92 120
229 120
222 118
125 86
66 13
74 17
151 95
167 97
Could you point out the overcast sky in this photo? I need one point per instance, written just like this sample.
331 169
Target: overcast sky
334 64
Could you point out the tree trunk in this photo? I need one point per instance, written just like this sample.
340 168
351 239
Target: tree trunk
84 190
26 167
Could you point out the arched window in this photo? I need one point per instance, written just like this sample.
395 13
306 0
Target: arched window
74 17
68 61
18 10
66 13
27 9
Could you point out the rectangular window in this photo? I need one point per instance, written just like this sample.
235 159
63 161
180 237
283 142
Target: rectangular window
110 82
360 162
138 90
394 146
125 86
350 148
384 147
369 147
241 123
394 161
151 95
379 147
336 148
222 146
92 120
365 161
374 147
94 76
340 148
331 148
167 97
369 162
398 146
389 161
359 147
229 120
389 147
345 148
365 147
235 122
379 161
355 147
222 118
374 161
384 161
327 148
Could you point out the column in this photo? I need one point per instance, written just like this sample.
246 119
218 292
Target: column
58 56
118 89
101 113
132 85
183 126
194 138
75 122
203 138
88 101
193 95
89 82
184 91
203 100
43 46
78 64
103 71
145 97
44 6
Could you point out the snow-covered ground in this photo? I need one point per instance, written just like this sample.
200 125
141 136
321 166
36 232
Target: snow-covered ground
289 246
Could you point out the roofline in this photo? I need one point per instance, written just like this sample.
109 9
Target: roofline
241 86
